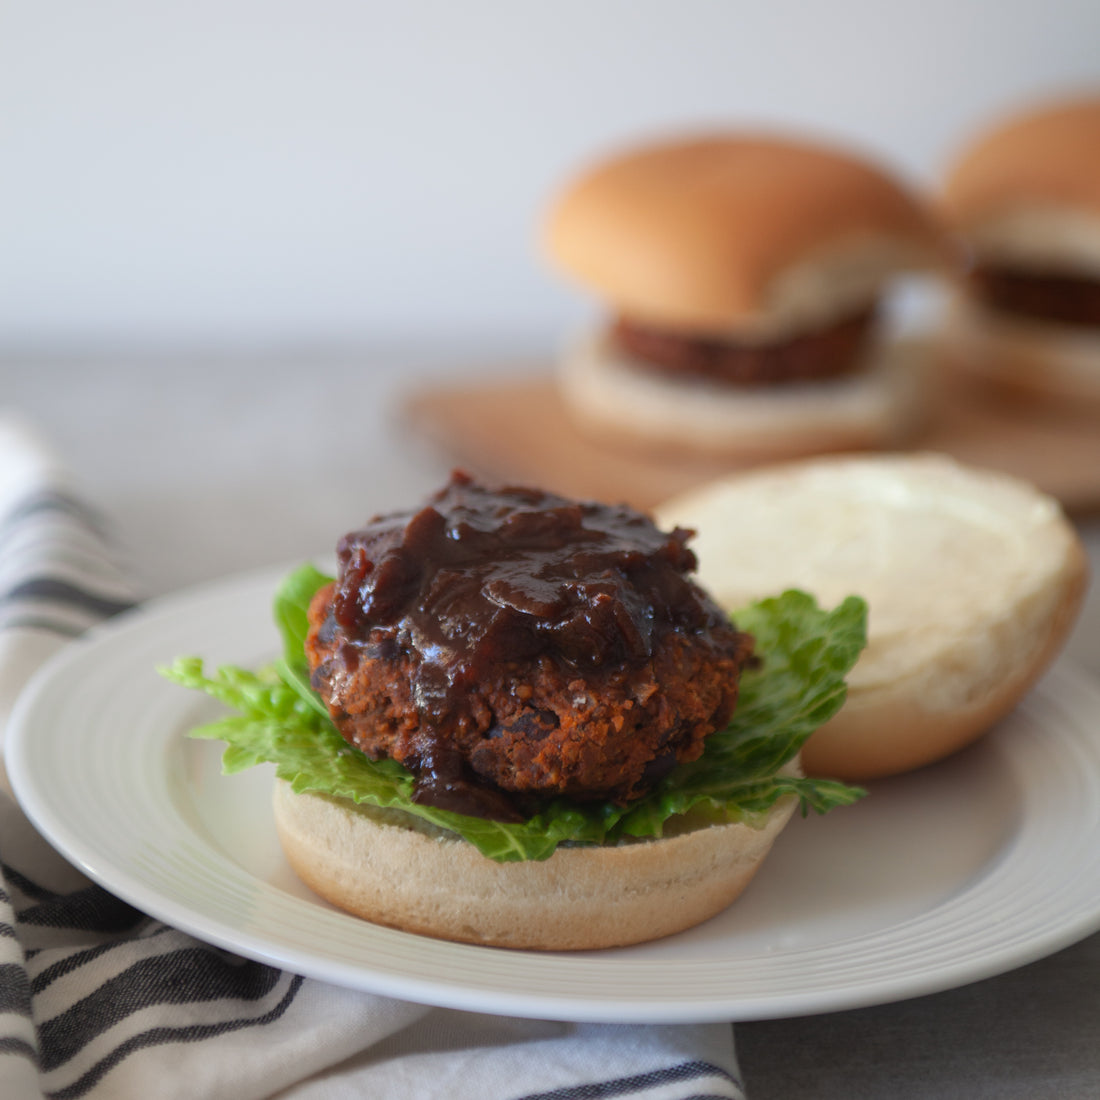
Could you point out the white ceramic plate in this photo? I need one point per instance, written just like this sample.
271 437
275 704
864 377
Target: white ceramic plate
956 873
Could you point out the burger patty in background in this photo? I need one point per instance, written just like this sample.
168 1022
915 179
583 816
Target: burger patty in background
826 352
1062 299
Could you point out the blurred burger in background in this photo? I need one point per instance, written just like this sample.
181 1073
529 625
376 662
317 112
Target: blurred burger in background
1024 197
746 281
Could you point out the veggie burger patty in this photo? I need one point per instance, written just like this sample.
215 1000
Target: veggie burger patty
510 645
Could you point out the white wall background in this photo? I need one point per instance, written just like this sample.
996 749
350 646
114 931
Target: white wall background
258 173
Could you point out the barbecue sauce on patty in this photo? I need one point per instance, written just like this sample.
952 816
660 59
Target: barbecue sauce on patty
464 637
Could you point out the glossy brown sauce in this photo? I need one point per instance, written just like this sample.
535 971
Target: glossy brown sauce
482 578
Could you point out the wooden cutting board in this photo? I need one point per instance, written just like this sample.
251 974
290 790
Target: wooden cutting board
518 429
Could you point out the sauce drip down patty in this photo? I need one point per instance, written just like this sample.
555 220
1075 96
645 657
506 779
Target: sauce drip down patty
509 645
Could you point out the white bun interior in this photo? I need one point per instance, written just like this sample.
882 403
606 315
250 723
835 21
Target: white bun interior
1038 237
832 283
386 868
610 396
973 581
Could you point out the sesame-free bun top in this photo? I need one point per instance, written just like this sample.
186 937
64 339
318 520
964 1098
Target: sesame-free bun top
1027 190
730 233
973 580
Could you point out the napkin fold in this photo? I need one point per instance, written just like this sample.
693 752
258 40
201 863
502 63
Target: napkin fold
100 1000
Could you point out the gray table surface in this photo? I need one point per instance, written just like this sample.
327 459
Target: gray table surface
210 467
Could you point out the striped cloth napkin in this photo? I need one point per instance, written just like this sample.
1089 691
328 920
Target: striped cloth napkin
99 1000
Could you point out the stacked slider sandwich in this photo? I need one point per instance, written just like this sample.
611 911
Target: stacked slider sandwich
1025 198
745 280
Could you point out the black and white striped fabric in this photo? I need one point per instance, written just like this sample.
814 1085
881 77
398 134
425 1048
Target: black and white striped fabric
99 1000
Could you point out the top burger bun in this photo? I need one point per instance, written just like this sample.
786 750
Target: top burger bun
1025 198
1028 191
744 239
730 234
973 581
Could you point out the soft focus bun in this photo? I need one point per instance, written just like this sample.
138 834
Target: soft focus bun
1028 191
389 868
1024 197
973 581
1037 362
738 233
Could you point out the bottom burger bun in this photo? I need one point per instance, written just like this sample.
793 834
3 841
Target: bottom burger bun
1039 361
394 870
610 396
973 581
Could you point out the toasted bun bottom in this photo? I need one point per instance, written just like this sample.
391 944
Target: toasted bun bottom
611 397
1046 362
389 869
973 582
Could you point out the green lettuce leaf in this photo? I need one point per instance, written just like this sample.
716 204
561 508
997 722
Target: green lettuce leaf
806 653
291 617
